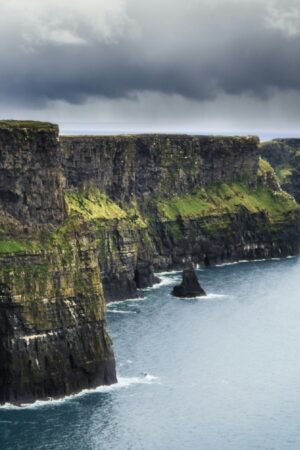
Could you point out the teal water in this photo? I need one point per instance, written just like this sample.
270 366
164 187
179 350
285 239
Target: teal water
216 374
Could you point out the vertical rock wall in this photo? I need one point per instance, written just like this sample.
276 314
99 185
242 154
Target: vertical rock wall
53 339
31 181
127 167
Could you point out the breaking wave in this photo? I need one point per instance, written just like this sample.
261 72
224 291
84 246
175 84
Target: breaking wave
123 383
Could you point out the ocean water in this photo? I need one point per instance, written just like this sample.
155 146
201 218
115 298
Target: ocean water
221 373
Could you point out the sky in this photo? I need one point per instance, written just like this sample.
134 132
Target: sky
114 66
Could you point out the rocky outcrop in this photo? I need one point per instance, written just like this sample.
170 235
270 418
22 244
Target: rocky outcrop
124 261
284 156
53 339
190 286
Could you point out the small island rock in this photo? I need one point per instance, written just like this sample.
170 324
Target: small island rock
190 286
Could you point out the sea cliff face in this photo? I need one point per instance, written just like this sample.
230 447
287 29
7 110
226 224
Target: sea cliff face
136 167
164 199
31 181
52 310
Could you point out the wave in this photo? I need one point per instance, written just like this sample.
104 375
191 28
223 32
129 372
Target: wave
127 300
164 281
120 311
172 272
138 299
123 383
210 296
243 261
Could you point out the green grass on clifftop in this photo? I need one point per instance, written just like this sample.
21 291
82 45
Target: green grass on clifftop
283 173
264 166
29 124
228 198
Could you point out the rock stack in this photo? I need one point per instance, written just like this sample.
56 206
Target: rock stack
190 286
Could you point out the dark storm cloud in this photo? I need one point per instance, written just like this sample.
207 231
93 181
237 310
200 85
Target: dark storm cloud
196 49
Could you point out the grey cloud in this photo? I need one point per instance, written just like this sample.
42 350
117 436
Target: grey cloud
195 49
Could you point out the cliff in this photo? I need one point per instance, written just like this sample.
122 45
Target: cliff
52 310
31 181
159 200
284 155
84 219
136 167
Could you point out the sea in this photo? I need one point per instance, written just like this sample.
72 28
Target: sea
214 373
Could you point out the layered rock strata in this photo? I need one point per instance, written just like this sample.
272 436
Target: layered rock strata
52 309
162 199
31 180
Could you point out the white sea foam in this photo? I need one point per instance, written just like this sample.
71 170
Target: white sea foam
210 296
172 272
120 311
138 299
243 261
234 263
127 300
123 383
164 281
213 296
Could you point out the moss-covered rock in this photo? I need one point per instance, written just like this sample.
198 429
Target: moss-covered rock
284 155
